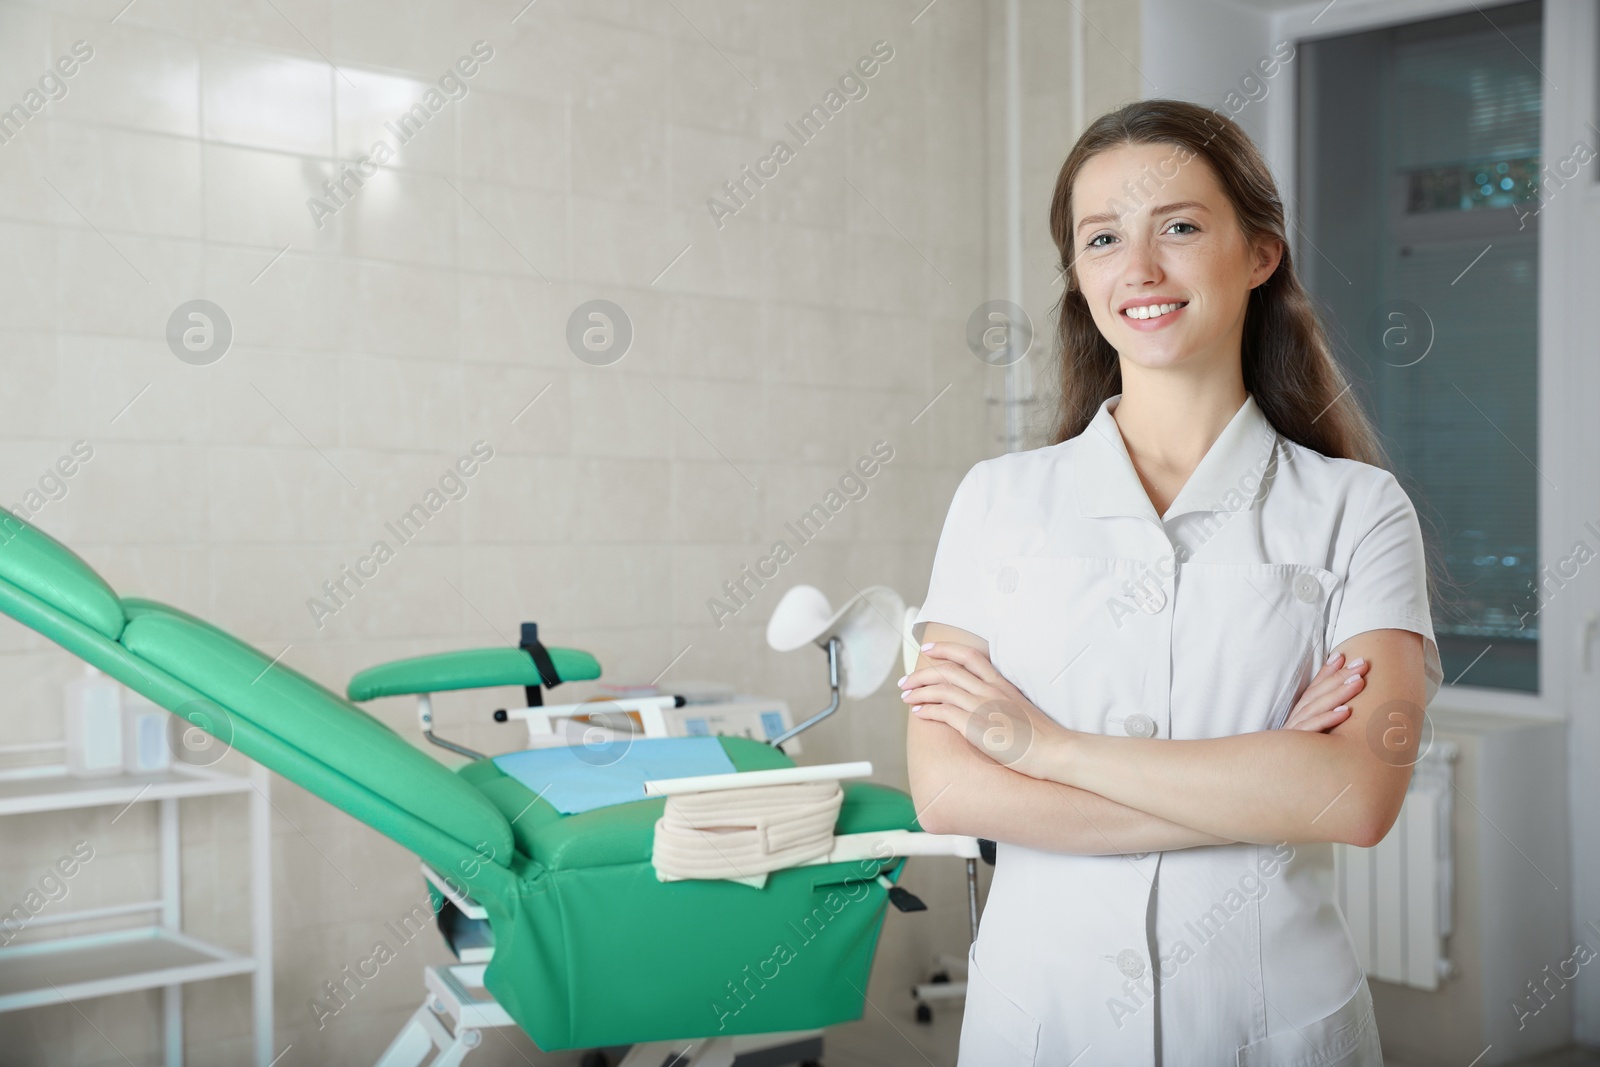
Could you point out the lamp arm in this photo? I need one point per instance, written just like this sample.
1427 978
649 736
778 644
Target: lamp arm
834 644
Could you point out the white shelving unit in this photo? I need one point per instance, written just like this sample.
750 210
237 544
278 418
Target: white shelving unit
157 955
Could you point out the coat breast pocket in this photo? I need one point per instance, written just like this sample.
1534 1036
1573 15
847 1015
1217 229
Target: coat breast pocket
1068 631
1247 640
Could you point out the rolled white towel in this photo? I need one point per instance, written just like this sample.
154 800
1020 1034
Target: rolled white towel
741 834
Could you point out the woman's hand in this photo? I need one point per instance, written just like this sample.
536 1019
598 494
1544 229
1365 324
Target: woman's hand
965 692
1326 701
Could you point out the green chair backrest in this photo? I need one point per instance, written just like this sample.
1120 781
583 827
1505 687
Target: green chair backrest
283 719
296 709
34 561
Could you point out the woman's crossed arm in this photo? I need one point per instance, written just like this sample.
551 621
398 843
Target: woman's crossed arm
958 788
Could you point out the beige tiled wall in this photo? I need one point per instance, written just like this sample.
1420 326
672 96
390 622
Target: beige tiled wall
429 313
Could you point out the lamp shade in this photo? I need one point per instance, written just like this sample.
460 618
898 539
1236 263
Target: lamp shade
869 627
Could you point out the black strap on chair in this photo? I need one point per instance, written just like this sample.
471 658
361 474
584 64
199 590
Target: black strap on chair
541 662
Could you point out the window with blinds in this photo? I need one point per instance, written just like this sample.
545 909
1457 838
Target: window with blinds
1420 187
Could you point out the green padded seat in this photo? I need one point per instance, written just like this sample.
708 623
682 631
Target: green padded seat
602 952
32 560
302 713
625 833
470 668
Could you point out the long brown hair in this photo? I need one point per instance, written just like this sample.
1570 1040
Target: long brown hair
1287 362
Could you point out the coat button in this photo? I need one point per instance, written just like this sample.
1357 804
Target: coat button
1130 963
1139 725
1006 579
1151 600
1307 588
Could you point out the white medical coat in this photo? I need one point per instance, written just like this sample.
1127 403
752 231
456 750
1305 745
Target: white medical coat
1207 621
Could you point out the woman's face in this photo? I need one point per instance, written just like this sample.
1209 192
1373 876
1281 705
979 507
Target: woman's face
1151 232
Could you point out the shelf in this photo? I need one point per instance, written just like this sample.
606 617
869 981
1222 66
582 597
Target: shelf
51 788
75 968
154 953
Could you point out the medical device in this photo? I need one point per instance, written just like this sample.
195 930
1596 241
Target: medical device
650 714
665 715
770 819
586 947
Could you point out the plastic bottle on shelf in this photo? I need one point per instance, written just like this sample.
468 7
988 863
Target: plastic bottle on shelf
145 748
94 725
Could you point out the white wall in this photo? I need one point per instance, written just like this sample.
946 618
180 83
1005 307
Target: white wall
1208 52
1570 438
427 314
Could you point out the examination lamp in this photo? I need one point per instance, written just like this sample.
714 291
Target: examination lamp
864 637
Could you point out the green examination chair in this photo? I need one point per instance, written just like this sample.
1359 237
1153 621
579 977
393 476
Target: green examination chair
588 949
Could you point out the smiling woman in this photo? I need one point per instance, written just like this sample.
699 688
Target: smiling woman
1190 636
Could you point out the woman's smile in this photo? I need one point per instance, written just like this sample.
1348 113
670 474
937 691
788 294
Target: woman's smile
1147 316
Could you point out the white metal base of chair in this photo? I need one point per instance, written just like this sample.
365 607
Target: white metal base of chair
450 1021
457 1009
794 1046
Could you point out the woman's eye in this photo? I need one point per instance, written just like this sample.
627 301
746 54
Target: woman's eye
1094 242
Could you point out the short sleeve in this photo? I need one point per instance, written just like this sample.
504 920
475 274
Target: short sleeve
1387 584
955 588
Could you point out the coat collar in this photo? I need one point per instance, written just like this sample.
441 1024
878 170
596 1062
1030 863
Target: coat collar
1228 478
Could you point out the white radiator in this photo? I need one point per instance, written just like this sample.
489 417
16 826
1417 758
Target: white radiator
1396 895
